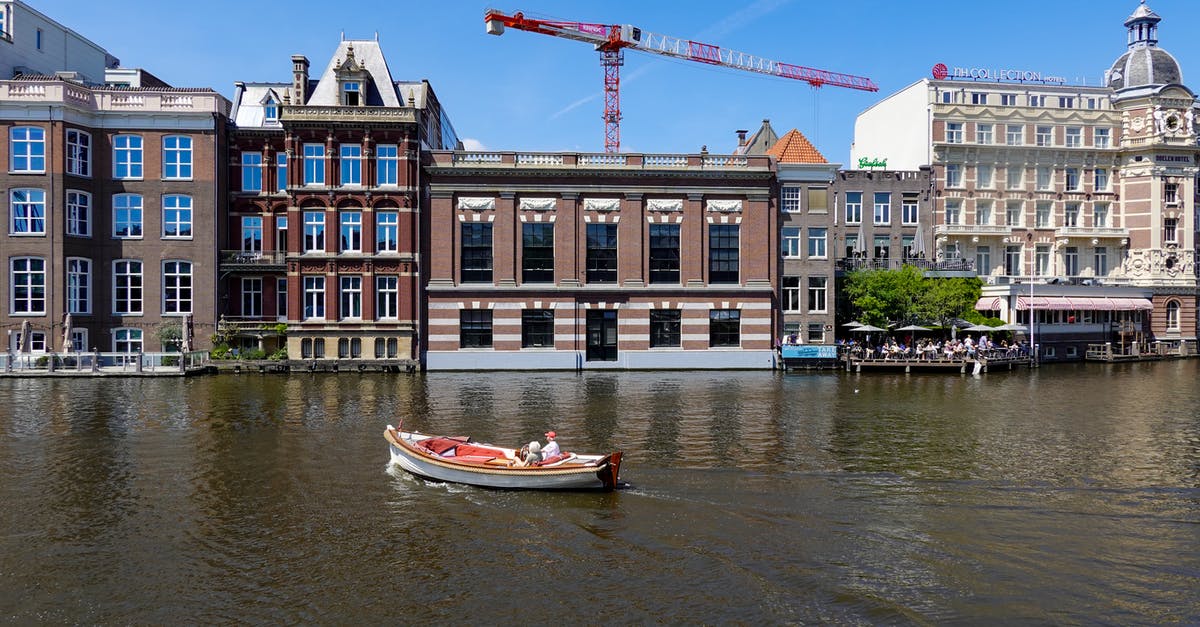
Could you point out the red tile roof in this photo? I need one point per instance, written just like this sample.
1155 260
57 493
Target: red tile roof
794 147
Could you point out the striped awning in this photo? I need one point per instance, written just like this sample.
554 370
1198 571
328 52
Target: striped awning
988 303
1085 303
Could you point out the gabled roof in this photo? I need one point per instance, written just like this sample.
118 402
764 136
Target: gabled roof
367 55
794 147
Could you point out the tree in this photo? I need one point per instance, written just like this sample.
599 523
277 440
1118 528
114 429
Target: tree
170 336
945 299
881 296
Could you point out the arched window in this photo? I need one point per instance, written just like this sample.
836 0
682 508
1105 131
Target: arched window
1173 315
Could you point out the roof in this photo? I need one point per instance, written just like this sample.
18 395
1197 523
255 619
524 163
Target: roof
357 54
794 147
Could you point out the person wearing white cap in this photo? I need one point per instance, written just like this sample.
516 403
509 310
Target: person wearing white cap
551 449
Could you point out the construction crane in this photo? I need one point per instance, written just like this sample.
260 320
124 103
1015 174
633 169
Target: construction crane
611 40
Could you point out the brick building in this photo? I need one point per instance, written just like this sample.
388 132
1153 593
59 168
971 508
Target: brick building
592 261
324 205
112 197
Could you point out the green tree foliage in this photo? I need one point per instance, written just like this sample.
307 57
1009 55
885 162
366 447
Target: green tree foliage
880 297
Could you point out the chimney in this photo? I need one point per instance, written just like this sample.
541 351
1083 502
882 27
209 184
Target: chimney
742 137
300 78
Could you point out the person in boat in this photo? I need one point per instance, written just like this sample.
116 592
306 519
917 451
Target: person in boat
551 449
530 454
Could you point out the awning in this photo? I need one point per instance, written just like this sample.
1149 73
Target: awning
1085 303
988 303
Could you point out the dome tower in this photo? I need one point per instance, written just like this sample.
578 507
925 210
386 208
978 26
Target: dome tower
1144 64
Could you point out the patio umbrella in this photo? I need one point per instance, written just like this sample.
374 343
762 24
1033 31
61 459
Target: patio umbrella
67 333
861 247
852 323
911 327
1012 327
866 328
186 334
26 342
980 328
918 249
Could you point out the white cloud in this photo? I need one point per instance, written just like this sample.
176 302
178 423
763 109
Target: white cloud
472 144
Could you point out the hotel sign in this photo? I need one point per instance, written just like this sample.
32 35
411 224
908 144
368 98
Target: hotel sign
1172 159
942 72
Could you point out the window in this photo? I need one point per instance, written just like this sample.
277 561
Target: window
979 98
724 327
1169 229
79 214
954 132
853 207
723 253
38 39
791 293
817 242
1015 176
601 253
1071 214
883 208
252 234
127 157
1100 214
983 133
1072 179
127 287
983 212
983 176
271 110
314 298
1074 137
790 198
1066 102
387 297
818 200
817 294
1037 101
1071 260
387 232
1012 260
665 327
1008 100
351 164
177 157
79 285
312 348
314 164
387 163
79 153
127 216
953 175
476 259
177 287
281 223
28 279
882 248
1013 211
252 297
252 173
1102 137
1041 259
392 348
27 146
1100 261
908 246
177 217
475 328
851 245
953 212
537 328
1042 215
28 215
983 259
352 93
351 229
537 252
1044 136
1171 192
1100 180
1043 178
1014 134
127 340
281 298
816 333
947 97
791 241
79 340
314 231
1173 316
281 171
664 253
909 213
351 298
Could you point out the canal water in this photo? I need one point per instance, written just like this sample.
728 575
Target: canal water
1070 494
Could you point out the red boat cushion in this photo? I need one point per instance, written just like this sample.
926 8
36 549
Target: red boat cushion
459 447
441 445
556 458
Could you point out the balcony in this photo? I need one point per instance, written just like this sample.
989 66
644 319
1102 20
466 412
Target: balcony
601 161
1095 232
973 229
928 265
253 261
167 100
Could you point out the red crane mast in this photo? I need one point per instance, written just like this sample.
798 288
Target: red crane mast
612 39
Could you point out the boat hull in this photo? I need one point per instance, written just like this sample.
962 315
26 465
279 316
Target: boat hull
593 472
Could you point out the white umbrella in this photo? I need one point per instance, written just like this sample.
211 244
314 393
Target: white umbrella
911 327
918 249
866 328
852 323
67 333
26 342
860 246
1012 327
980 328
186 334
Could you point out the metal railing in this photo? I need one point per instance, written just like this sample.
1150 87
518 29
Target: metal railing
98 362
870 263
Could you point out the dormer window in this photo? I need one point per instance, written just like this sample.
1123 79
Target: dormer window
352 93
271 110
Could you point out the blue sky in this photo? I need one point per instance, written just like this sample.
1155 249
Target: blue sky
524 91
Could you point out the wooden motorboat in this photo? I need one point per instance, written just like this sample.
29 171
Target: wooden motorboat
459 460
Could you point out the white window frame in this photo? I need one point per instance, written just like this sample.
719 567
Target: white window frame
313 305
818 242
387 297
129 154
314 241
30 305
387 162
1100 213
27 217
79 153
79 213
984 133
28 144
953 213
314 157
131 340
853 209
350 297
882 211
1102 137
387 232
350 165
79 285
793 240
350 227
789 198
251 226
178 287
177 157
252 171
1100 179
1074 137
910 211
252 297
954 177
818 294
985 176
133 272
1015 177
1014 134
954 132
791 294
1043 135
181 204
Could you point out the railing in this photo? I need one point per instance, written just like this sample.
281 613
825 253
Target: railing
254 257
867 263
539 159
1092 231
477 157
973 229
52 91
665 161
604 158
106 363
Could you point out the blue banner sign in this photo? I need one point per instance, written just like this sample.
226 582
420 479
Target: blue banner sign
809 352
